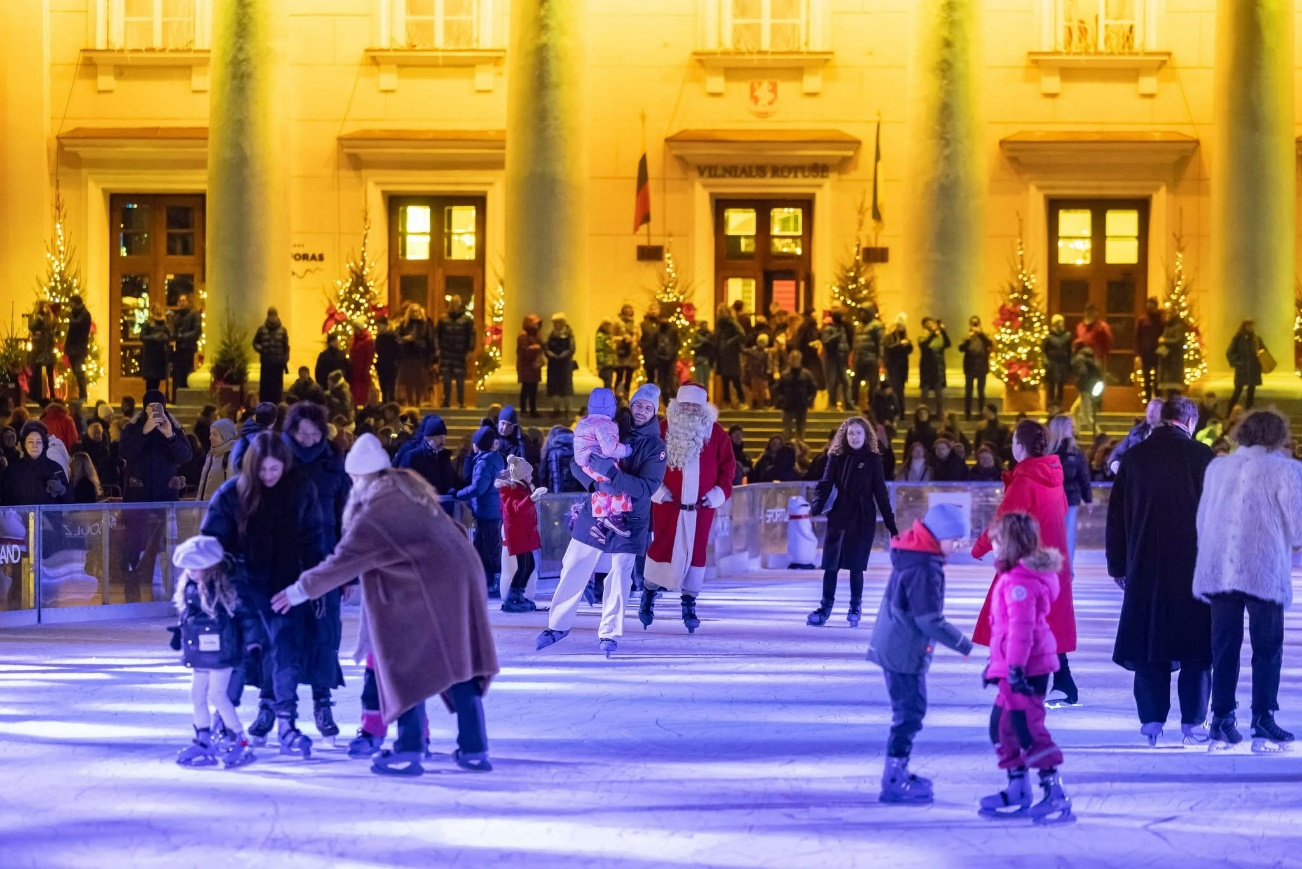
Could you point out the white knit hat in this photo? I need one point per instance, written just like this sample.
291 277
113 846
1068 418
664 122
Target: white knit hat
366 457
692 393
198 553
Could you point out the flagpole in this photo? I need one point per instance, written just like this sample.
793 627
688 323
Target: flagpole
648 181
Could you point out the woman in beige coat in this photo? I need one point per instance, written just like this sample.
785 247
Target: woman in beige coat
424 607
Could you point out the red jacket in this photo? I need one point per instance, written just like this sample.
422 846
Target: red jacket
1035 487
520 517
361 355
1019 618
58 423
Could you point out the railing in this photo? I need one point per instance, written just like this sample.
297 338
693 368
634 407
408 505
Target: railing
83 562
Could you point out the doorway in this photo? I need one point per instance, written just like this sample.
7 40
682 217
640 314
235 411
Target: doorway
763 254
156 256
1099 257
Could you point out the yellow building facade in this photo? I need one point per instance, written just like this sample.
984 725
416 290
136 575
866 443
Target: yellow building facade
498 142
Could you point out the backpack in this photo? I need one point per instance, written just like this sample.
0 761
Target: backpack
665 349
560 455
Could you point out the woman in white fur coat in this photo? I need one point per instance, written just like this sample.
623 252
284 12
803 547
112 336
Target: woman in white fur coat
1249 524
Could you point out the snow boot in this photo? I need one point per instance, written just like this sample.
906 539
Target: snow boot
901 786
404 763
819 617
1012 802
607 646
1268 737
474 761
262 725
200 752
646 613
293 740
516 602
854 613
494 590
550 638
1152 731
325 719
1223 735
689 613
236 752
364 745
1055 806
1195 735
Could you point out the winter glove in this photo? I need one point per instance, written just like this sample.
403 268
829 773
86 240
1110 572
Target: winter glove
662 495
175 642
1017 681
714 498
55 488
538 493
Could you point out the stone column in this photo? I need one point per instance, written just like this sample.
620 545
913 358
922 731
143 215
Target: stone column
546 172
1254 180
943 232
248 189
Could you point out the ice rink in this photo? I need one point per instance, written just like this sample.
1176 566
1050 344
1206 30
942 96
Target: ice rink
756 742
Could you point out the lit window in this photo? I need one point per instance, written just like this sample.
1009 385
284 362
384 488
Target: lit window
459 232
1122 242
414 232
739 226
764 25
1100 26
740 290
155 25
786 225
437 24
1075 230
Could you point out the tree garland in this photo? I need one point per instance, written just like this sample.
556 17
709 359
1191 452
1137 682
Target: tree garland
1020 330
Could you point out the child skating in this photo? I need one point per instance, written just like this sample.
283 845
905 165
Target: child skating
520 523
910 622
598 433
1023 657
209 637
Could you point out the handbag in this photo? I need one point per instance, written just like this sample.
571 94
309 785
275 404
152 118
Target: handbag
1266 360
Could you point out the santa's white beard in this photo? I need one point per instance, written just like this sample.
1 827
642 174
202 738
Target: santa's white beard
688 430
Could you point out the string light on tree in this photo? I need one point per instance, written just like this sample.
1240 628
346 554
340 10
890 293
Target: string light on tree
490 356
855 287
672 297
357 296
1177 305
62 281
1020 330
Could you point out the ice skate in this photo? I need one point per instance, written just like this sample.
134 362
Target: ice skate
262 725
853 614
516 602
200 752
550 638
646 611
404 763
1268 737
1195 735
607 647
474 761
689 613
325 720
1012 802
237 752
1055 806
364 745
1224 734
494 590
293 740
819 617
901 786
1152 731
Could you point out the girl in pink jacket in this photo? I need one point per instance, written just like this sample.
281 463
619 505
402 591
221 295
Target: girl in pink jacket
1023 657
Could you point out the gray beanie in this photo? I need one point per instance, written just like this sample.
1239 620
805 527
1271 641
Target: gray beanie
945 522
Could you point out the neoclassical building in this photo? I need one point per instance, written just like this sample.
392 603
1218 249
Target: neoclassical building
235 147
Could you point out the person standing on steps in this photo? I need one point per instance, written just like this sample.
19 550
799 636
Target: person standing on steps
931 364
361 359
529 364
455 337
896 350
187 329
154 338
729 338
976 349
1095 334
867 356
44 353
387 349
700 467
1152 546
328 361
639 476
559 350
1057 360
1244 356
271 343
854 485
1148 338
76 344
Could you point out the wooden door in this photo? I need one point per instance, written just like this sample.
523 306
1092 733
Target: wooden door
763 254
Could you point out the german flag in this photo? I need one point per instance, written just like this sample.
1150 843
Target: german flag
642 204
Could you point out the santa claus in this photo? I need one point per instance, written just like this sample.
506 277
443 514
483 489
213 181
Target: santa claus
698 480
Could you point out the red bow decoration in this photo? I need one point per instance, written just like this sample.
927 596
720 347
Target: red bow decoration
689 312
379 310
1018 371
334 317
1008 316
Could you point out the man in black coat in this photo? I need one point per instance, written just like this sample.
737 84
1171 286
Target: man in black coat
1152 545
187 326
1148 337
976 349
271 343
330 360
77 342
456 341
931 364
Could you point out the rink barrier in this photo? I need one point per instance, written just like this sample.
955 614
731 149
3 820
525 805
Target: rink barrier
114 560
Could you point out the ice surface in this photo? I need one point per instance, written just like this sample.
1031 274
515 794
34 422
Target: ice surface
755 742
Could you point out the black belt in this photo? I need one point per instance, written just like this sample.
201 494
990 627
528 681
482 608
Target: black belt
689 508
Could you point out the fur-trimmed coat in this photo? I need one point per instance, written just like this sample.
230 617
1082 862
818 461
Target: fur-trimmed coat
1021 600
423 589
1249 523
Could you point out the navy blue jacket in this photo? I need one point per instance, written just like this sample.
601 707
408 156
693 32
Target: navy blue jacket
152 460
324 466
639 476
481 494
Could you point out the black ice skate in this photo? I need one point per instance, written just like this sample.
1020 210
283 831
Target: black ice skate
854 613
262 724
1224 733
474 761
200 752
1268 737
405 763
689 613
819 617
293 740
364 745
516 602
550 638
646 613
325 719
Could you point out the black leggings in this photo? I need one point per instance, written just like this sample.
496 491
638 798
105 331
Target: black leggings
528 399
730 383
856 586
523 570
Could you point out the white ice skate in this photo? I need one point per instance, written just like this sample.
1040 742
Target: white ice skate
1055 806
1012 802
901 786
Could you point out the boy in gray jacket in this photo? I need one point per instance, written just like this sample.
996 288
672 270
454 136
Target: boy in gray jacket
910 621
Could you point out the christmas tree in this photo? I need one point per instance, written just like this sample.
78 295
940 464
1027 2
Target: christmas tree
855 287
672 296
490 354
1020 330
1177 305
357 296
62 281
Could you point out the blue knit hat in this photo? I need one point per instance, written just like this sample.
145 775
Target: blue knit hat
945 522
602 401
647 392
485 438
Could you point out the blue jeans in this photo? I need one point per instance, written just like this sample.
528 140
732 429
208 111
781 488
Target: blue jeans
472 737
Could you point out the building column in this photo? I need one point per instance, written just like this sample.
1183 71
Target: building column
1254 180
943 227
248 252
546 268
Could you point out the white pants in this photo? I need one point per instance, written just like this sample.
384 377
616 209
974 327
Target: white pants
209 686
576 569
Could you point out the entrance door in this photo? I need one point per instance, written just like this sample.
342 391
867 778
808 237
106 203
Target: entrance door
1100 257
763 254
436 251
156 256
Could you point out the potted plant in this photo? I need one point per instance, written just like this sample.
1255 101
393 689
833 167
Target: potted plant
13 367
230 367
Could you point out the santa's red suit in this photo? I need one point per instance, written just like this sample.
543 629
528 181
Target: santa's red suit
684 507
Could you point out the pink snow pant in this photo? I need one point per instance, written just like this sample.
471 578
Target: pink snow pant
1022 738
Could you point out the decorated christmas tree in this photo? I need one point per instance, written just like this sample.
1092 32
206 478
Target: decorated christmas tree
357 301
62 281
1020 330
1177 305
855 287
672 296
489 359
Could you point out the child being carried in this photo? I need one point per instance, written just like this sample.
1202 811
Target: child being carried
599 433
